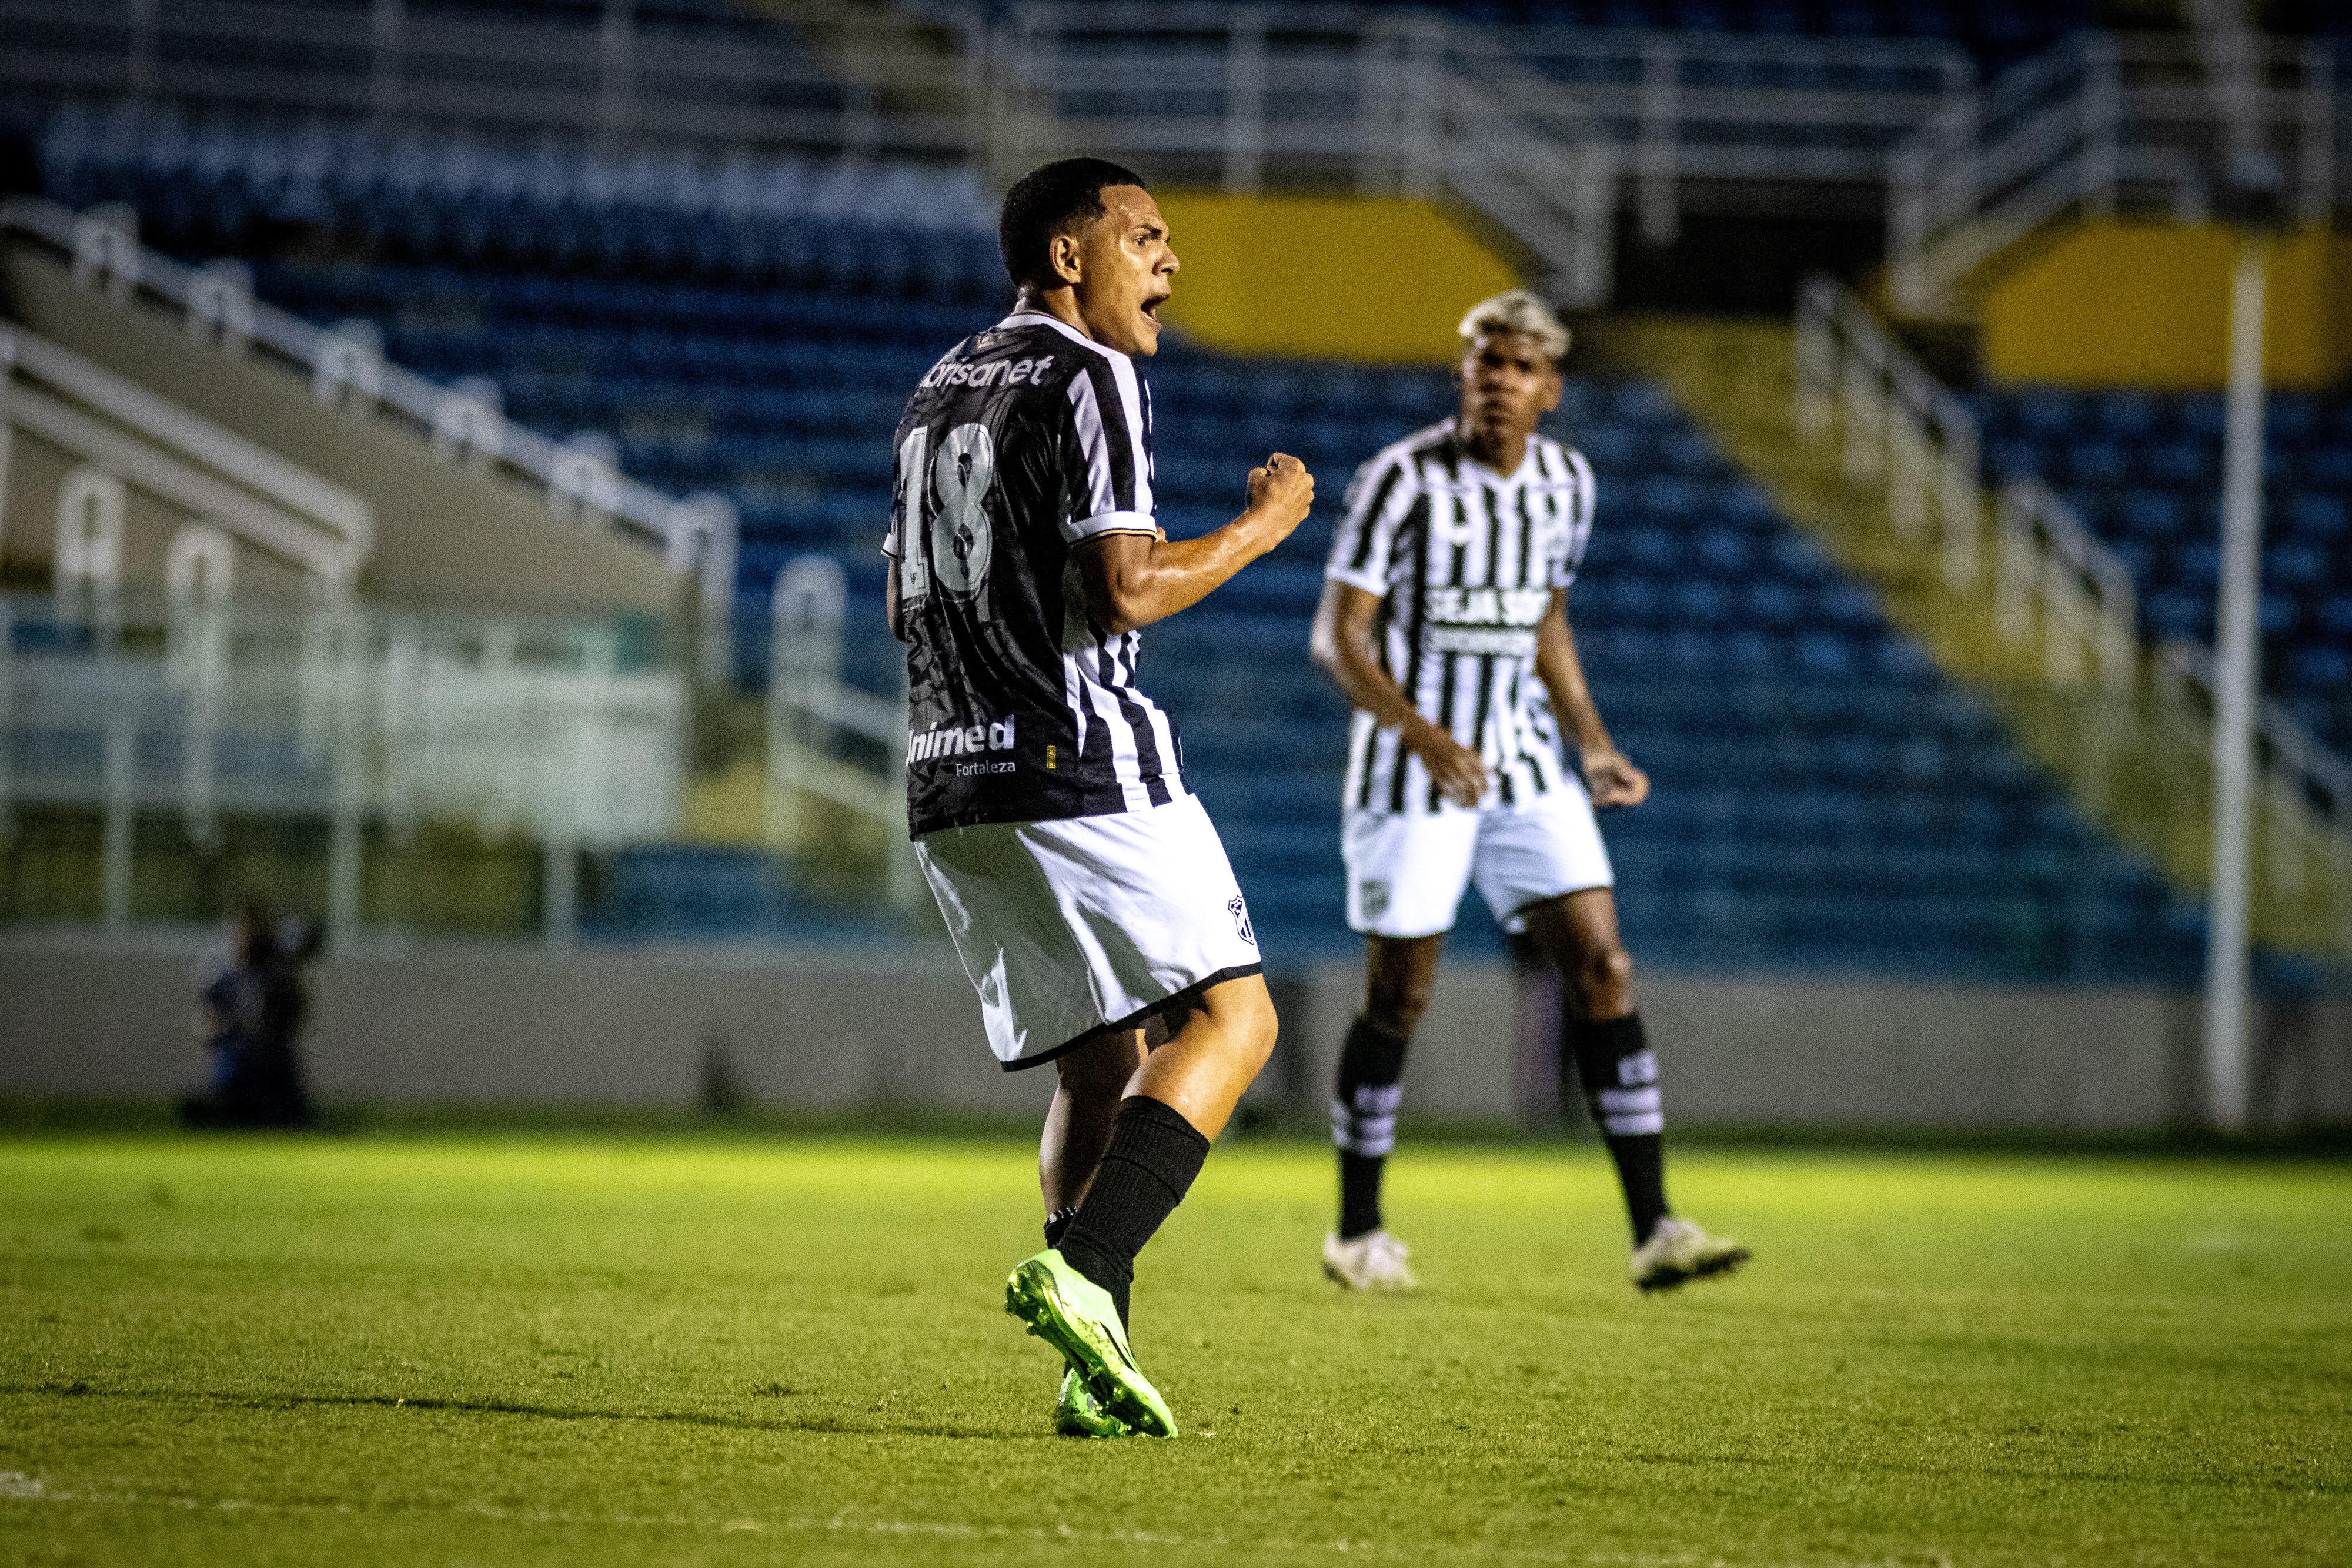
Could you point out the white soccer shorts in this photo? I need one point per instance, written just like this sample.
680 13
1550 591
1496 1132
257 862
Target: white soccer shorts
1067 927
1406 874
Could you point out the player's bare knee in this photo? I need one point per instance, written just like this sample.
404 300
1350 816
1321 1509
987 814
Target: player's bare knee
1242 1017
1256 1031
1606 977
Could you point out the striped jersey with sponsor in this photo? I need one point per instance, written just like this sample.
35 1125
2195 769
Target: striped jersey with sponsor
1024 440
1465 561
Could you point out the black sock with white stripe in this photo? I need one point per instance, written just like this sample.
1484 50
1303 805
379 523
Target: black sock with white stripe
1619 1074
1363 1121
1153 1156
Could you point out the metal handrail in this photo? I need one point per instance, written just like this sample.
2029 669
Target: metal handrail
810 707
346 367
2098 123
346 521
2326 777
2054 584
1266 95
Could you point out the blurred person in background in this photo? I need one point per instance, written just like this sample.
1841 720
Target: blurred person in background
1445 620
253 1012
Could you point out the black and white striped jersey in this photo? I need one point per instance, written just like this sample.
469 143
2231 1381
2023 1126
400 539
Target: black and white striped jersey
1465 561
1025 440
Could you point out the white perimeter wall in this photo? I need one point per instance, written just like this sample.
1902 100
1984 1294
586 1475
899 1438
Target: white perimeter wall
86 1016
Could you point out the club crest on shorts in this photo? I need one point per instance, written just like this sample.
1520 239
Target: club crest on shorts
1240 911
1372 897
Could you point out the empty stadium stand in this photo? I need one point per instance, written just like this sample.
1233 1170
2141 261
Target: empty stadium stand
2145 471
1824 797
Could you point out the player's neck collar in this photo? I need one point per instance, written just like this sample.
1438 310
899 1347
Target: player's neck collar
1525 469
1028 318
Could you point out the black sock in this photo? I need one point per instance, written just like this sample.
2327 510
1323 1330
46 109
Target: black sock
1363 1121
1153 1156
1619 1075
1058 1222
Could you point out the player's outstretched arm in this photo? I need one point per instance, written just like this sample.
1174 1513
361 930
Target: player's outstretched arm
1342 643
1608 774
1131 580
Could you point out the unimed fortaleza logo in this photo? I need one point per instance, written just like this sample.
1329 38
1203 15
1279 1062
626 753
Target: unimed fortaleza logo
959 741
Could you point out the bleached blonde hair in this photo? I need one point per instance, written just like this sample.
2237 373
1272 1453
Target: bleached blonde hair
1517 310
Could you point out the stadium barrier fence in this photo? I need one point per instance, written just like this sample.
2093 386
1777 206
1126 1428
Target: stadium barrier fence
204 716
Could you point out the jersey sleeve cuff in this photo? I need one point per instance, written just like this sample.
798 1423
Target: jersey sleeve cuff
1108 523
890 546
1370 582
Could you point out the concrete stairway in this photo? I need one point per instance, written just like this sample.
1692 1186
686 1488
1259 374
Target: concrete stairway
2136 759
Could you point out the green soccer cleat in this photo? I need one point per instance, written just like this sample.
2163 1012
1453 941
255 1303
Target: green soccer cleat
1078 1413
1678 1251
1077 1317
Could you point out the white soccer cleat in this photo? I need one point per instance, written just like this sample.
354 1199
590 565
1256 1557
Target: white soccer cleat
1678 1251
1372 1261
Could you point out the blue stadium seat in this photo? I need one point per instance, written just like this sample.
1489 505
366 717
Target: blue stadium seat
2320 517
2149 483
2154 514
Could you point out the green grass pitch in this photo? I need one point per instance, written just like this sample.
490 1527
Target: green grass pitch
583 1350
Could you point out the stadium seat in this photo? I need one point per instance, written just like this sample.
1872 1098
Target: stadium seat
2149 483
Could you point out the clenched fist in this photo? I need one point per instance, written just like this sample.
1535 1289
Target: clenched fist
1282 492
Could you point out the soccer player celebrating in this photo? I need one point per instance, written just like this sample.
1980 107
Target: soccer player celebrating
1445 592
1088 893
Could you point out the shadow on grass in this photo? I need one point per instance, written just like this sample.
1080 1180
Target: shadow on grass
829 1426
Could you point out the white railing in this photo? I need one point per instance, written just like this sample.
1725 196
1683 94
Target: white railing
2057 589
1540 127
342 715
2302 791
2060 596
2062 602
812 712
744 83
2048 561
1551 181
2101 125
122 434
1808 115
1259 98
1537 127
346 368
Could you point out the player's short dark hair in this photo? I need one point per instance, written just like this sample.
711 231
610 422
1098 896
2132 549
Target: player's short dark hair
1057 198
